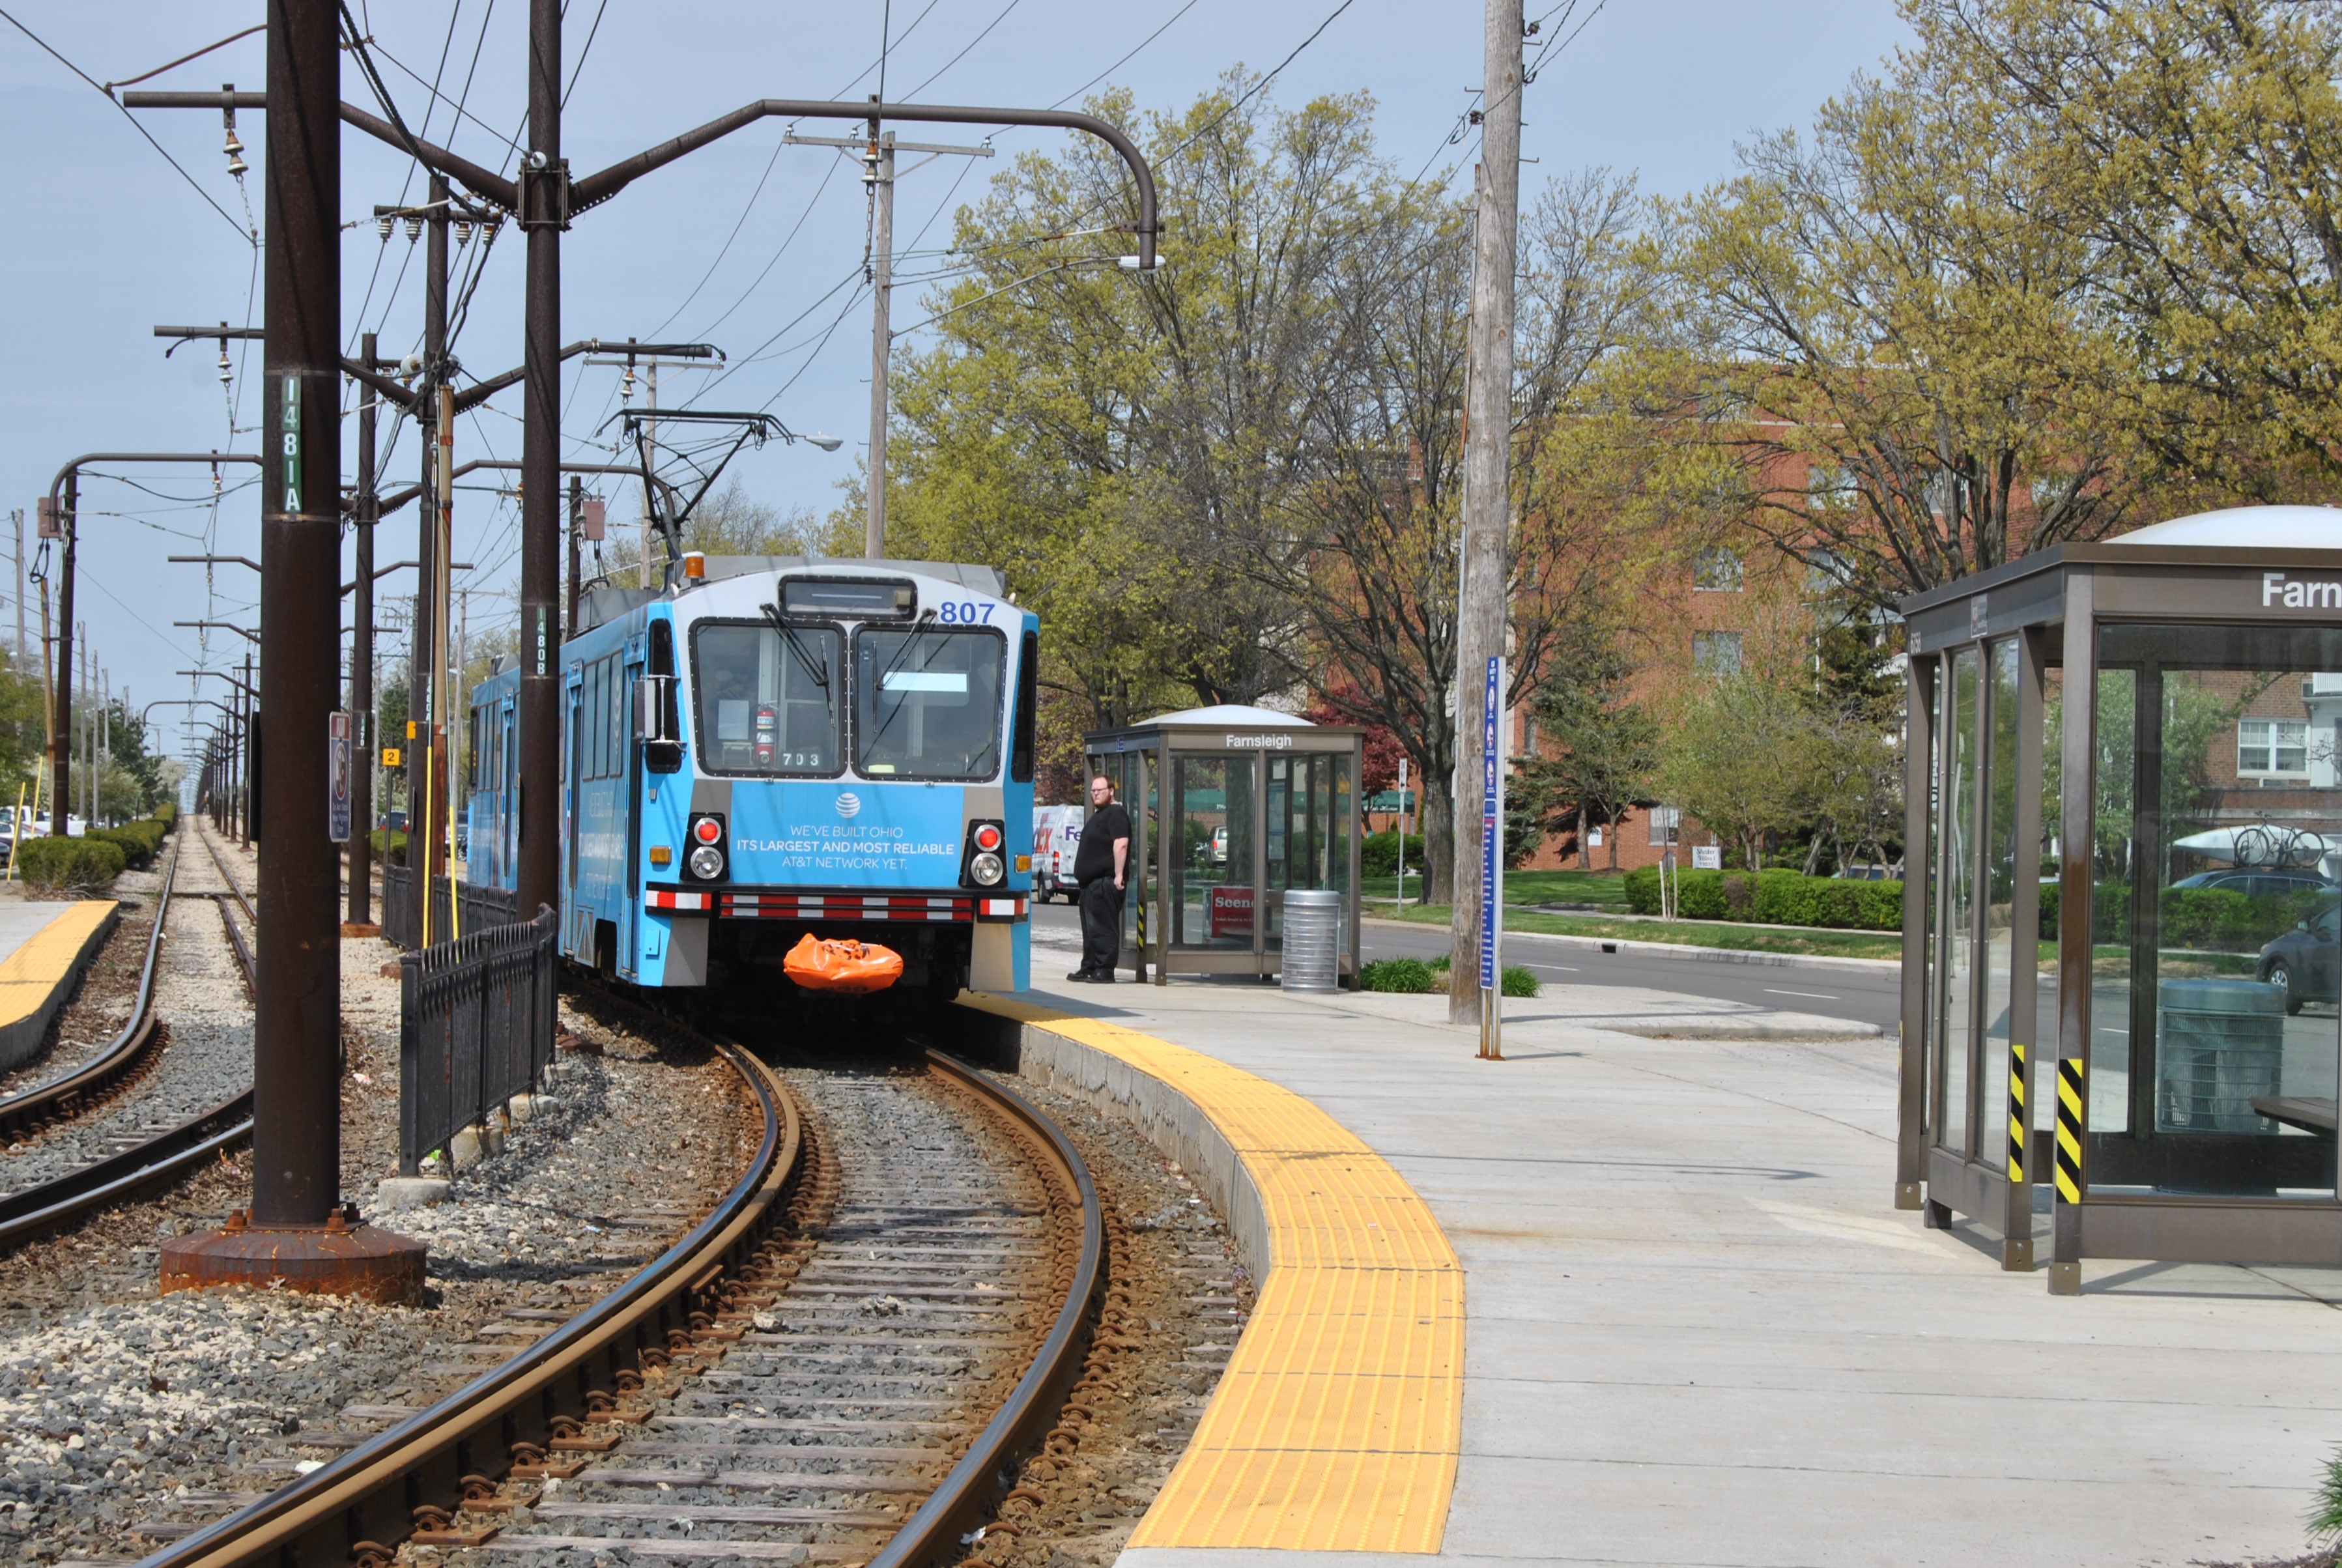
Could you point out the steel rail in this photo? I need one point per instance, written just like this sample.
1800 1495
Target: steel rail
168 1155
360 1507
416 1475
976 1482
72 1092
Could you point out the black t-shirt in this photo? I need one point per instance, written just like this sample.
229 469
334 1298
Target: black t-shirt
1095 858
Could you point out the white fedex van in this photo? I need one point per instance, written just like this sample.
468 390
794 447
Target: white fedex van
1056 837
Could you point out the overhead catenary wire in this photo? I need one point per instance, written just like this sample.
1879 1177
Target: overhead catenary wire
250 236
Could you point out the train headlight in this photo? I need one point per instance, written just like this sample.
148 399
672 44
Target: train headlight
706 862
986 868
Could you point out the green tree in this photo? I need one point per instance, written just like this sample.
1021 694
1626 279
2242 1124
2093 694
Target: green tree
2194 147
1735 757
1603 744
1894 360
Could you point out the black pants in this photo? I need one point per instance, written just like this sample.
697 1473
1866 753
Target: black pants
1101 903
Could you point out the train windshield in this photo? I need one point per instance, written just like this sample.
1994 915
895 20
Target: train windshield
767 703
927 704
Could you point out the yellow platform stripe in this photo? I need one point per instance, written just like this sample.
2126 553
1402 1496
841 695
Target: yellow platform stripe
30 976
1337 1424
2070 1130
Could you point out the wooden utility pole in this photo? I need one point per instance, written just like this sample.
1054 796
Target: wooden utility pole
1487 490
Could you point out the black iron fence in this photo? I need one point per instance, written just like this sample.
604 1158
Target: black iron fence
475 1022
402 911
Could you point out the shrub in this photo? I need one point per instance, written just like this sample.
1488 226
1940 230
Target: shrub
166 813
1378 852
389 848
51 863
1515 980
1407 977
1774 898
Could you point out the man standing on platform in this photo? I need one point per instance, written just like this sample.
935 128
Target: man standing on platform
1098 867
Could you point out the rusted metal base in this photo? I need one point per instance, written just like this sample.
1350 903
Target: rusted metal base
360 928
344 1256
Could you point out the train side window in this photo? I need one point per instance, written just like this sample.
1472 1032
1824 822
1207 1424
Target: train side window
1029 699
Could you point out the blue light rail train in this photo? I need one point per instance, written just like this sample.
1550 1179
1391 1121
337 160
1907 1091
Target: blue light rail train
780 745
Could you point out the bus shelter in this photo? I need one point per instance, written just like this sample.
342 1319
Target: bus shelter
2122 958
1232 808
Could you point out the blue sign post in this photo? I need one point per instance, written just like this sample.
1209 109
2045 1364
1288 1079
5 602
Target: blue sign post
1492 862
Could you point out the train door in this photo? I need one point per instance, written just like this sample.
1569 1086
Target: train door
624 744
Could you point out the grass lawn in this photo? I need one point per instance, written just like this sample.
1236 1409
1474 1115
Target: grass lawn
1686 932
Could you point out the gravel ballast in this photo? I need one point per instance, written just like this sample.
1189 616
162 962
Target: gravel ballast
127 1419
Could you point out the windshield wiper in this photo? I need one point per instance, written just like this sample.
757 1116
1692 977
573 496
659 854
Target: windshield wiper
819 677
910 641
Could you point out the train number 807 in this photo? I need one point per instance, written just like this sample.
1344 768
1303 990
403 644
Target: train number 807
962 612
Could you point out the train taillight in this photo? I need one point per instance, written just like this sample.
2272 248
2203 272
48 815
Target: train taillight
981 865
705 862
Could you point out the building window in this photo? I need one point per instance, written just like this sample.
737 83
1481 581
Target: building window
1716 571
1828 487
1826 571
1716 653
2272 746
1665 822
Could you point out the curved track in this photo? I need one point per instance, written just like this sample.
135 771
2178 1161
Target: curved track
168 1155
865 1268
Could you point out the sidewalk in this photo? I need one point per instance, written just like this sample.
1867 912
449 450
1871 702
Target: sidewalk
1696 1331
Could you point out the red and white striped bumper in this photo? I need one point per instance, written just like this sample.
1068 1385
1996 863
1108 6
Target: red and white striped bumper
893 908
698 903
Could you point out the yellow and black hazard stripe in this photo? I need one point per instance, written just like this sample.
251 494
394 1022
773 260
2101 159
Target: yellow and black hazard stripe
2070 1130
2015 1111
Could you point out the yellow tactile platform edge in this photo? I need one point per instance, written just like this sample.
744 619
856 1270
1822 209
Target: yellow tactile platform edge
31 975
1336 1425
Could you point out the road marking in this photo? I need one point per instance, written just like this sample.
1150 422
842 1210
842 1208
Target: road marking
1556 968
1817 995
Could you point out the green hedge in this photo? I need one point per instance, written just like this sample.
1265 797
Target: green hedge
1378 852
168 814
1774 898
139 840
389 848
50 864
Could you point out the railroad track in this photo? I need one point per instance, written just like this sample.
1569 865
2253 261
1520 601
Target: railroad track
169 1155
795 1380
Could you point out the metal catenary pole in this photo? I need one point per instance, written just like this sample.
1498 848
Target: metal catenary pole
296 1048
545 203
358 910
1487 404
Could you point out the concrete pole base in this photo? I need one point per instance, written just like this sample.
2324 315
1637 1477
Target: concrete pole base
360 928
344 1257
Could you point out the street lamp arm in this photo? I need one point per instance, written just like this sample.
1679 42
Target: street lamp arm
231 680
214 561
399 498
180 703
245 631
596 188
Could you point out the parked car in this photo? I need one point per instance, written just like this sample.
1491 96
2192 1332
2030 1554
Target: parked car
2307 960
2258 883
1219 847
394 820
1057 836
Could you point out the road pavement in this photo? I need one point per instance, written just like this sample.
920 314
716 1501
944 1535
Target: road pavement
1868 996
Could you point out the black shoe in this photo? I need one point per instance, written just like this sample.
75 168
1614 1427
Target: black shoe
1081 975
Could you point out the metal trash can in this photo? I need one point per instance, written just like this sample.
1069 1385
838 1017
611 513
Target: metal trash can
2218 1042
1313 941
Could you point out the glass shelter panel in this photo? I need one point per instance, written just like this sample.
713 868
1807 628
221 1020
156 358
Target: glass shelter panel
2219 838
1211 851
1996 953
2043 1050
1309 829
1964 744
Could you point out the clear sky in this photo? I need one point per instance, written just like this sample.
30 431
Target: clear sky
749 244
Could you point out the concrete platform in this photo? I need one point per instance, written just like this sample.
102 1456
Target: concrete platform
1696 1331
43 947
